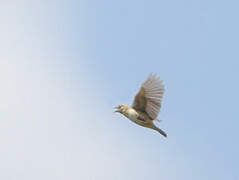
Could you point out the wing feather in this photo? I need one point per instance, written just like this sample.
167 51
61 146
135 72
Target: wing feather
149 98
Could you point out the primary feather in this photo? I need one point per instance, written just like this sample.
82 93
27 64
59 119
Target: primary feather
150 96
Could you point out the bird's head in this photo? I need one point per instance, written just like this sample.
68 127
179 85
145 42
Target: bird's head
121 108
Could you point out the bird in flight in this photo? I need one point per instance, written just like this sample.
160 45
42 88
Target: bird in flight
146 105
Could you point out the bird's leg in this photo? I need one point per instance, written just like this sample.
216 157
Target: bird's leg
158 120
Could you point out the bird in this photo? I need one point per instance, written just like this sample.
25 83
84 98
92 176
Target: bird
146 105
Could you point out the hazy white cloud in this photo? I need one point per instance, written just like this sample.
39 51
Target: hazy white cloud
48 127
55 120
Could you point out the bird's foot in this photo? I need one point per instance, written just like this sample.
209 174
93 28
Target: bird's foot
158 120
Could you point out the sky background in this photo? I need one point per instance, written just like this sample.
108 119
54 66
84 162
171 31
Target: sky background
64 65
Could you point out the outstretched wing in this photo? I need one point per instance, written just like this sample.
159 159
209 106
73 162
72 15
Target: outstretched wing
150 96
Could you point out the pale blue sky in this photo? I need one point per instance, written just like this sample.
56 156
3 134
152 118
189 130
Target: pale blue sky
65 65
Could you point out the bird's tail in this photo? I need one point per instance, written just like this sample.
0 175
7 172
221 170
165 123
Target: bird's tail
158 129
161 132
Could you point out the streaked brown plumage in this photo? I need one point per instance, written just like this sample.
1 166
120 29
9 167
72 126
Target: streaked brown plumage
146 105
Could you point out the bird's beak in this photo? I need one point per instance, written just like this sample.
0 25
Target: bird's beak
117 109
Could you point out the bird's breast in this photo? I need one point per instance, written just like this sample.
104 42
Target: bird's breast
131 114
